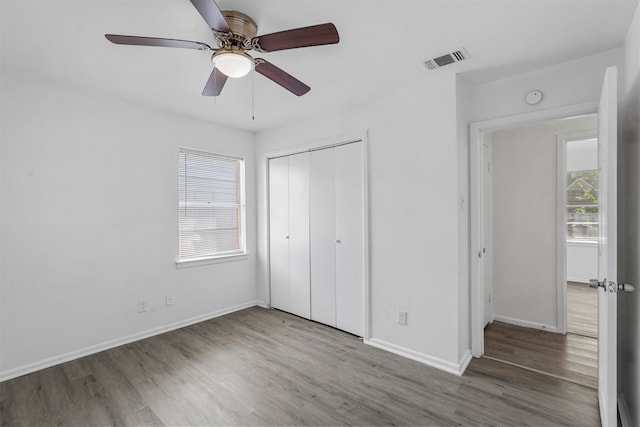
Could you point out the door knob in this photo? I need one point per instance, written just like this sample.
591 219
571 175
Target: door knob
286 237
626 287
612 287
338 241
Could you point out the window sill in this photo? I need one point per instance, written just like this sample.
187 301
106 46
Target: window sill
213 260
584 243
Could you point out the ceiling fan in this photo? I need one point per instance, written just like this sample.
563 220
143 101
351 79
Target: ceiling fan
236 32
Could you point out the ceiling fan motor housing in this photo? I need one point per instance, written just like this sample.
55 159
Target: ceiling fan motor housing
242 27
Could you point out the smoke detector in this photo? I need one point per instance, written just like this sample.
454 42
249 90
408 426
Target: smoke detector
449 58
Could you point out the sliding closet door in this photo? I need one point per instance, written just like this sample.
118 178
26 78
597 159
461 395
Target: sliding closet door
279 231
299 286
349 214
323 246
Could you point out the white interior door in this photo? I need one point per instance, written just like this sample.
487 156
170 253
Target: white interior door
607 257
299 281
349 214
279 231
322 236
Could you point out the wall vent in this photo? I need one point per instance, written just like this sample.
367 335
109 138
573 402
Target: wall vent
449 58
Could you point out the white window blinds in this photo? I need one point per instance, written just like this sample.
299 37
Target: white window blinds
210 205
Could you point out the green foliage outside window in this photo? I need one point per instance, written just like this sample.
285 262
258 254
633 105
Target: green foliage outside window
582 205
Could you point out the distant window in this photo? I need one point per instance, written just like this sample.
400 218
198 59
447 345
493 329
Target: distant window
582 206
210 201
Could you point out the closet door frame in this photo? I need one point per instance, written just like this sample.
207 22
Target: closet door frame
348 138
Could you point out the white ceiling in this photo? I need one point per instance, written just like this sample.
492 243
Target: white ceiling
382 45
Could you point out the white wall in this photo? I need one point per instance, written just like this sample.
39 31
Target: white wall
629 304
572 82
582 261
413 212
525 211
89 224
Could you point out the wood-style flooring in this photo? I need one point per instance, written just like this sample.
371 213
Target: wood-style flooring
582 309
265 367
571 357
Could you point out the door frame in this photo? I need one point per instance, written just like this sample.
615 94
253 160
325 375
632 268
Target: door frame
562 140
487 191
347 138
477 130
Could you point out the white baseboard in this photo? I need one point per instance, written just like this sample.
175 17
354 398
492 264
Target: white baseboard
72 355
453 368
526 323
623 410
464 361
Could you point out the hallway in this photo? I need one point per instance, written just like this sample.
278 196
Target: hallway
572 357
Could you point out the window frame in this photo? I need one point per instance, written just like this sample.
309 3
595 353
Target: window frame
225 256
591 240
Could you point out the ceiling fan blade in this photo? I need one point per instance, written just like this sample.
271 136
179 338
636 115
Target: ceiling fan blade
155 41
281 77
314 35
211 14
215 83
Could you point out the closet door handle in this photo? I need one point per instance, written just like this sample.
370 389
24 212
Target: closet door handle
286 237
338 241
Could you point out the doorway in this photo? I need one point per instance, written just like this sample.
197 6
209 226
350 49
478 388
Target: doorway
607 281
527 297
581 200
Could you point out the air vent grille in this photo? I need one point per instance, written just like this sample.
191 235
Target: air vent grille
449 58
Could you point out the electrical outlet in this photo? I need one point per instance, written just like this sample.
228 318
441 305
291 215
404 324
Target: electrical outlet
402 317
143 306
169 300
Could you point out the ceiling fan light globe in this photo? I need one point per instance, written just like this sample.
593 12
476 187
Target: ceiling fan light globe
233 64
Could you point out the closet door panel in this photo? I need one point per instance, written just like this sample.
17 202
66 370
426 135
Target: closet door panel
278 232
322 235
349 216
299 280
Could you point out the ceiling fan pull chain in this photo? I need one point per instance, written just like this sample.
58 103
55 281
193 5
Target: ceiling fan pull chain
253 94
215 84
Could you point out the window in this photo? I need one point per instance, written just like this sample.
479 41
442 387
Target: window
582 206
211 205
